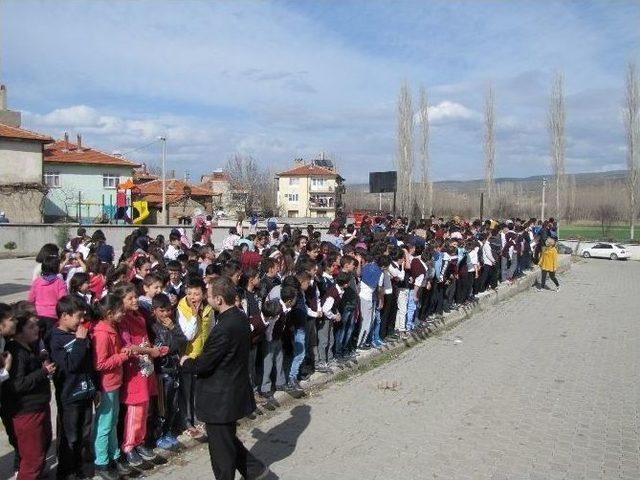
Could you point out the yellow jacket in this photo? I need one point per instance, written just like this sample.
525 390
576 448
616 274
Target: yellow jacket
195 327
548 259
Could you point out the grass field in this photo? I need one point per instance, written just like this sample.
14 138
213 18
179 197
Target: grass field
594 232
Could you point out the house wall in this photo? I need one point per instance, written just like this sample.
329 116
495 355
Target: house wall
21 203
85 180
20 162
304 188
184 208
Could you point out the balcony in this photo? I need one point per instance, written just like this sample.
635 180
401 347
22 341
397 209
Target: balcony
322 202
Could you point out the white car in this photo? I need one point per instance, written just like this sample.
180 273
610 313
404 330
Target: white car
613 251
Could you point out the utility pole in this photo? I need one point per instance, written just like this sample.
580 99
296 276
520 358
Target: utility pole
164 180
544 187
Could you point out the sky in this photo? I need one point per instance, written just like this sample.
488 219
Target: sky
283 80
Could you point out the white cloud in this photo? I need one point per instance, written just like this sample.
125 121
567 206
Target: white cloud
448 111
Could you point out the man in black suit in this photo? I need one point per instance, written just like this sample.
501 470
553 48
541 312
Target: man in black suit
223 388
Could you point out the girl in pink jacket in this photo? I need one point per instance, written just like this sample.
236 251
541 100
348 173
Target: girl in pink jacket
45 292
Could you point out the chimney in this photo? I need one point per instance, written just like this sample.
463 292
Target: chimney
66 141
3 97
298 162
79 142
8 117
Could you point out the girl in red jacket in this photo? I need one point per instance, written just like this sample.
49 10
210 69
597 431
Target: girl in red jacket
138 382
108 357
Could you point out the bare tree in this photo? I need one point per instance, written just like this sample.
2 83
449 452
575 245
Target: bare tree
404 156
571 201
425 182
254 182
631 114
556 133
607 214
489 146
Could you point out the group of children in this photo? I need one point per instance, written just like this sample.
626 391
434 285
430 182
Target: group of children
111 337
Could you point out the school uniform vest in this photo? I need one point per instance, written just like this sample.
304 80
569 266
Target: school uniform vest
337 299
417 268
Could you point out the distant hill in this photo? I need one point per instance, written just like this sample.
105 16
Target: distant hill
528 183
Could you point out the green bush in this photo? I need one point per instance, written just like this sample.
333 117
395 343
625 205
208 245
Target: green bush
10 246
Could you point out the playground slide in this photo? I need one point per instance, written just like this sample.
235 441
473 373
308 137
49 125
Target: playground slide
141 208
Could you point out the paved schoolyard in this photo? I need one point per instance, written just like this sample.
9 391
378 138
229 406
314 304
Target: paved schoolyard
15 278
544 386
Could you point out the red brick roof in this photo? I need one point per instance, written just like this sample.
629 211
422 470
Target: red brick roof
66 152
152 191
308 171
7 131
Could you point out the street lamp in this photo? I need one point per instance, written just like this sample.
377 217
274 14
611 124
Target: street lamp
164 179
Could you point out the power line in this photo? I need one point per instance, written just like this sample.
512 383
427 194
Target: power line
140 148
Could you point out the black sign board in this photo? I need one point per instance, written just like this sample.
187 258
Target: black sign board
382 182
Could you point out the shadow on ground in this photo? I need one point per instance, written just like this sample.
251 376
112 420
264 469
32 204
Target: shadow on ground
278 443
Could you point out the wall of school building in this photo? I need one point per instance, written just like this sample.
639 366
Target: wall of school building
82 184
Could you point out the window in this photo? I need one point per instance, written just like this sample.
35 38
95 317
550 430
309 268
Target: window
110 180
294 180
317 182
292 197
52 179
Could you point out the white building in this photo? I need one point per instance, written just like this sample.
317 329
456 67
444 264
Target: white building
310 190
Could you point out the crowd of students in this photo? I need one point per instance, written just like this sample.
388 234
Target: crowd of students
112 336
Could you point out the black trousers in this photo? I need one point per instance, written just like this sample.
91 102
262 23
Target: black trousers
187 399
311 347
228 454
166 415
552 276
464 286
388 315
488 277
75 448
437 298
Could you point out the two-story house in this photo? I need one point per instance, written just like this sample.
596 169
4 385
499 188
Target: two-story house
21 152
310 190
82 181
21 189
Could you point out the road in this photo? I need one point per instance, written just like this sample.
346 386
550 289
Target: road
546 386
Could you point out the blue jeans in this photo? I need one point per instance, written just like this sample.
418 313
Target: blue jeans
375 329
412 306
344 332
298 353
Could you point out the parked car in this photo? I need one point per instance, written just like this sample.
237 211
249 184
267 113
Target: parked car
613 251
